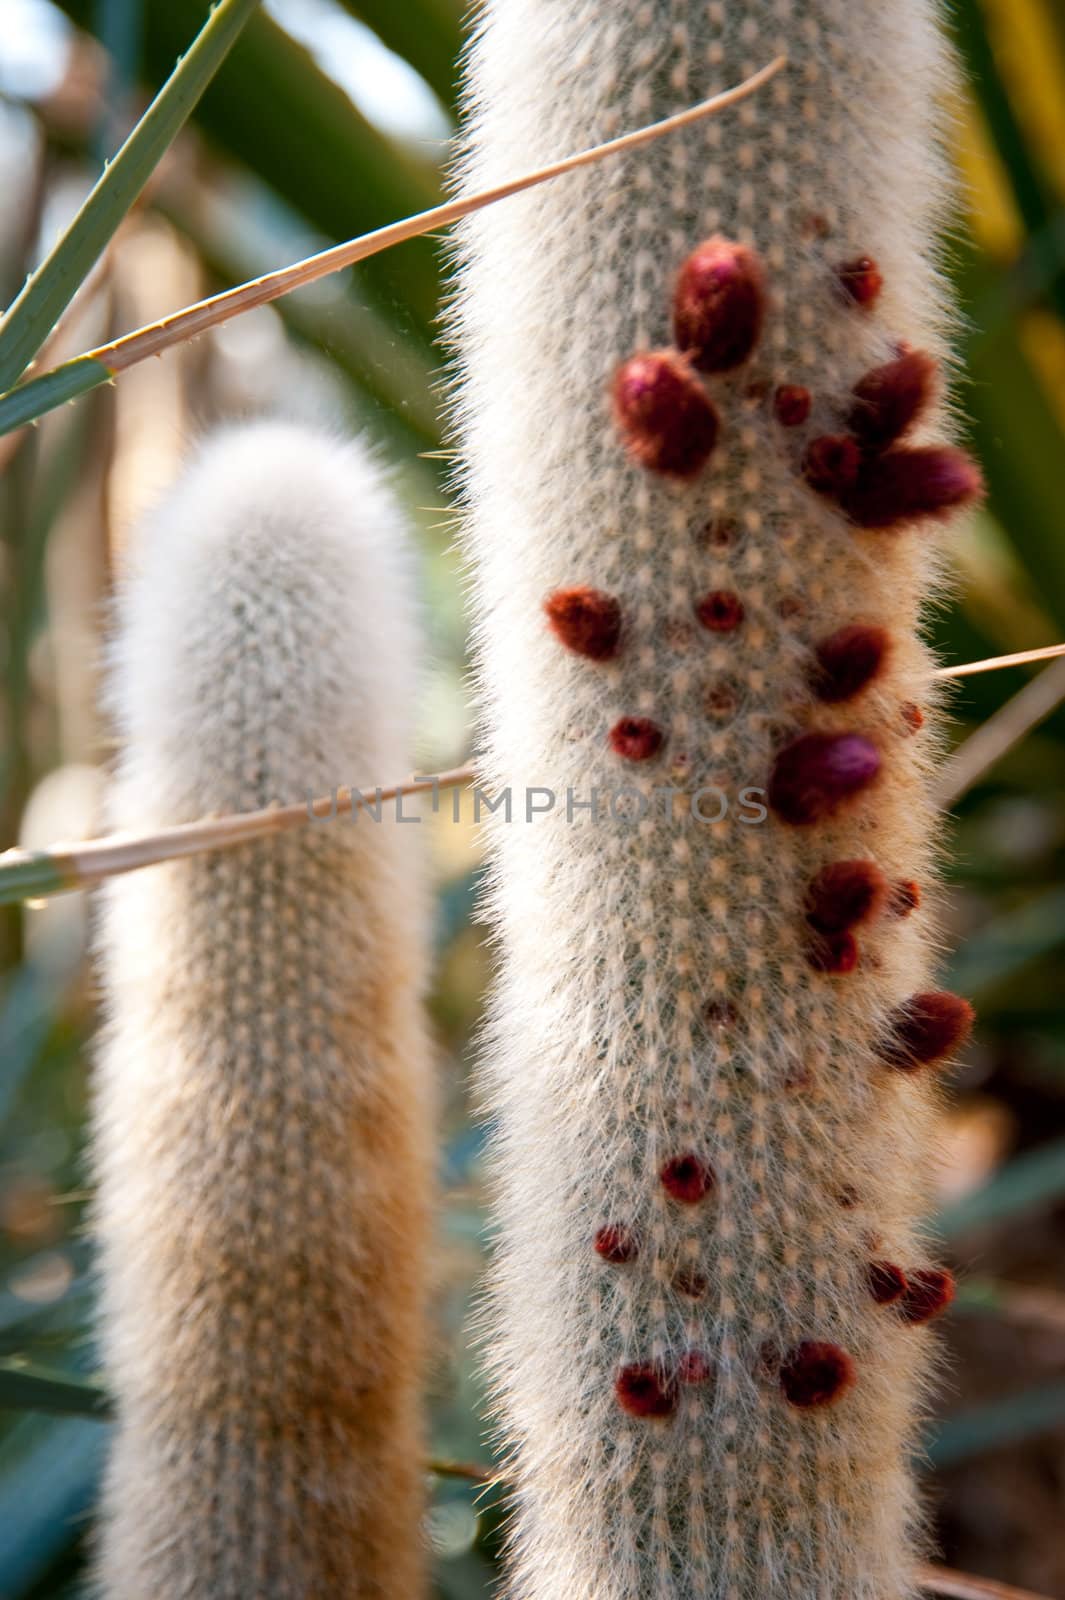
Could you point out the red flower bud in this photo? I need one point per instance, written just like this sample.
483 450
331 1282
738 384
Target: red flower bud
646 1391
905 897
831 463
687 1178
791 404
848 660
616 1244
719 305
815 774
834 954
861 280
906 485
929 1292
636 738
890 399
586 621
887 1282
720 611
815 1374
927 1029
666 418
845 894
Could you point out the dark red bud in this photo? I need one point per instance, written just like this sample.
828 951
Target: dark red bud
719 305
816 773
791 404
834 954
720 611
905 897
687 1178
845 894
831 463
636 738
695 1367
848 660
890 399
928 1292
646 1391
887 1282
617 1244
666 418
815 1374
586 621
861 280
907 485
926 1029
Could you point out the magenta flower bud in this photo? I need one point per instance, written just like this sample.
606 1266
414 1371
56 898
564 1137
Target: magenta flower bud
908 485
845 894
814 775
890 399
847 661
719 305
667 420
831 463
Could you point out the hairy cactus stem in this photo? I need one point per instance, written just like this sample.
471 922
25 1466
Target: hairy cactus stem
263 1139
703 385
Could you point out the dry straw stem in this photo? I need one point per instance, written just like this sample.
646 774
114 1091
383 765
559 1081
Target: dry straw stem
962 1586
105 361
1010 723
38 874
1020 658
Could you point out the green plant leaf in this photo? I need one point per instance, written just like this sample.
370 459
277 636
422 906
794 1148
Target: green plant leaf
27 1387
1010 942
51 288
1034 1179
990 1427
49 1470
274 110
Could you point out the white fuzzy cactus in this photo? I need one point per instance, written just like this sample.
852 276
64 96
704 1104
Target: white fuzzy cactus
263 1128
700 526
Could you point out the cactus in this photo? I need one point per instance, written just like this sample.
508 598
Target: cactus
262 1122
704 471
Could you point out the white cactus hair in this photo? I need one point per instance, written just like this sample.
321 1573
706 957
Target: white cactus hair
263 1104
658 994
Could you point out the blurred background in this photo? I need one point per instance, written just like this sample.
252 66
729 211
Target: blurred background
329 118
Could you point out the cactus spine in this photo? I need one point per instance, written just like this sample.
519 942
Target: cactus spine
696 409
262 1138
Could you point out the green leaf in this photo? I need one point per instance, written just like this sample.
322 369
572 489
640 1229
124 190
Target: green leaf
49 1472
51 288
1010 942
1035 1179
41 395
26 1387
274 110
990 1427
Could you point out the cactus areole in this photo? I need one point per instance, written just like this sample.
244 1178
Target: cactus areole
705 476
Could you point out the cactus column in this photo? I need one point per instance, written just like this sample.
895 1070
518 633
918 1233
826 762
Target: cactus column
263 1106
699 412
